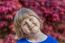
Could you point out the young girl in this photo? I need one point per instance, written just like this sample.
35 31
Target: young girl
28 27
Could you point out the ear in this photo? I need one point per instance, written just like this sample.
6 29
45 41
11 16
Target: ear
42 24
42 19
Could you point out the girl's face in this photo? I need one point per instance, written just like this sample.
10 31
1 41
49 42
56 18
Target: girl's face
30 25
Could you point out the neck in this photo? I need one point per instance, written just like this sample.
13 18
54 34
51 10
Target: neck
38 37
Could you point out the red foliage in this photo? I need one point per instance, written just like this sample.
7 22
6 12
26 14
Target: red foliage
54 13
52 10
10 39
7 13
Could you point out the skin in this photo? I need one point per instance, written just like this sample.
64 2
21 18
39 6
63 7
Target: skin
1 40
31 27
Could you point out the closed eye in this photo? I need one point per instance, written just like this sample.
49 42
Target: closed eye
33 21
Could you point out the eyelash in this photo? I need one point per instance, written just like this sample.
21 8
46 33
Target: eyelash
33 22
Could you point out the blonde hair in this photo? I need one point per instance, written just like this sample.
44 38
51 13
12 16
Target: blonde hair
20 15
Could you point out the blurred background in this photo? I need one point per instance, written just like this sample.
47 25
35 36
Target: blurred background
52 10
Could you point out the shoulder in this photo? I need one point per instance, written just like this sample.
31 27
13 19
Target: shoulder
21 40
50 39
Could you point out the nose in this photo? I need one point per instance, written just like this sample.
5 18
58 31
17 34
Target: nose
29 24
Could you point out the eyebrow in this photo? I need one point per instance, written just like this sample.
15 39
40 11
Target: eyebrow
33 22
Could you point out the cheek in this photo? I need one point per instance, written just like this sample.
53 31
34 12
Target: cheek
36 29
25 29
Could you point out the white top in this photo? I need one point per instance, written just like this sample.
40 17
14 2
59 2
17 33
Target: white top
44 38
